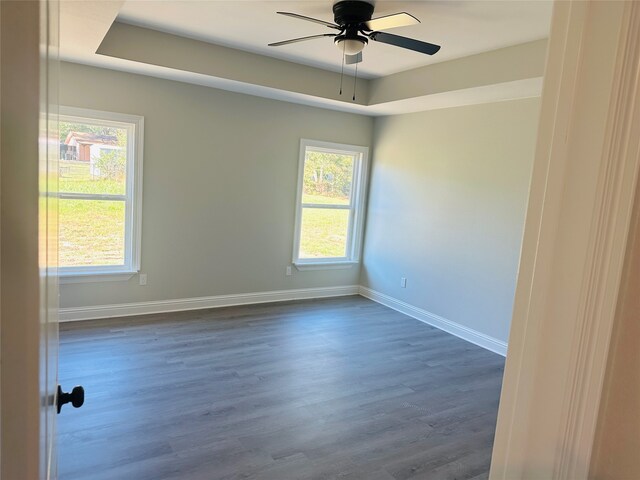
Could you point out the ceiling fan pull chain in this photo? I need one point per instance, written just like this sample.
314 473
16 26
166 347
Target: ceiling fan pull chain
342 69
355 81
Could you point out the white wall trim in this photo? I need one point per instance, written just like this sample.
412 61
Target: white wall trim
581 199
198 303
96 312
618 176
460 331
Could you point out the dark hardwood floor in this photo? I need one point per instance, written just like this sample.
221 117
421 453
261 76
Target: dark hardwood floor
325 389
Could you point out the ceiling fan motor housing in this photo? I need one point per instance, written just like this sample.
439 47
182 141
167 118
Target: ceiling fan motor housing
352 13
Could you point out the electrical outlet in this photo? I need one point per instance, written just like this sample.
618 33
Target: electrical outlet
288 270
403 282
142 278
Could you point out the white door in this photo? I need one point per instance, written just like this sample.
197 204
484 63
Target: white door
48 152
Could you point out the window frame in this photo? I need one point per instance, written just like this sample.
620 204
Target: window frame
356 207
132 196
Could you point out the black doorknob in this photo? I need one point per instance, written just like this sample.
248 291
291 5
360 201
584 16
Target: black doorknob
76 397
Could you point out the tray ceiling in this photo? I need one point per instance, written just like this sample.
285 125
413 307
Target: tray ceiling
462 28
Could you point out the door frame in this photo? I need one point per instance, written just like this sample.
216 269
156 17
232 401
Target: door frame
19 272
28 238
581 199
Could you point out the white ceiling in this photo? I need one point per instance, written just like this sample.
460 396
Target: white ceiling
462 28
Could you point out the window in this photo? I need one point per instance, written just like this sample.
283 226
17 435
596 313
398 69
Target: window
100 191
330 204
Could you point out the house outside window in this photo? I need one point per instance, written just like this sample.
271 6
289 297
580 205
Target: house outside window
100 193
330 205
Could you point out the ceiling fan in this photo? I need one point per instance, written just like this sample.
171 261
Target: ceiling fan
356 27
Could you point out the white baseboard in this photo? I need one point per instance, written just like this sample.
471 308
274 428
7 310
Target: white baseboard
466 333
198 303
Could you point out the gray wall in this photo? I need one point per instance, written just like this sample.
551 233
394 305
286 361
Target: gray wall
446 205
446 210
220 173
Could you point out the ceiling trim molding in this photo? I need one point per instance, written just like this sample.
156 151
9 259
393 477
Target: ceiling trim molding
504 74
502 66
153 47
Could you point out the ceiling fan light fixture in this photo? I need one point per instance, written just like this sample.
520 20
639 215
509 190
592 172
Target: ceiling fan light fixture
351 46
352 18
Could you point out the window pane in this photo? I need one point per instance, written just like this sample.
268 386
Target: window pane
327 178
92 158
324 233
91 232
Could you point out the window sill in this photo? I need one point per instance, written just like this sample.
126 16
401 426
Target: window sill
324 265
95 277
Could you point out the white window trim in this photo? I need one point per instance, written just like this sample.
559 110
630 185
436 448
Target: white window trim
133 214
358 195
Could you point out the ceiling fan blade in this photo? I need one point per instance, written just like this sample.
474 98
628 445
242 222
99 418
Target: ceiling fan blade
301 39
404 42
402 19
309 19
351 59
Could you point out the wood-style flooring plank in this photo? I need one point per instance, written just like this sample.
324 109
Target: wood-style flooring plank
325 389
